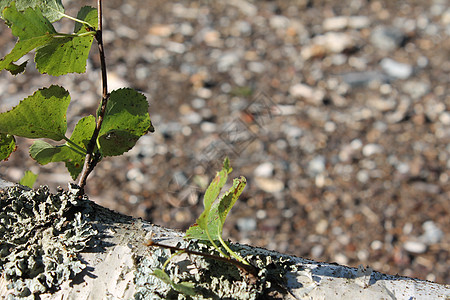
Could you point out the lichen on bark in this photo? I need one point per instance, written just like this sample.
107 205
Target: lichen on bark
40 236
212 279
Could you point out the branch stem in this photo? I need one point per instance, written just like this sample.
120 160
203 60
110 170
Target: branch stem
72 35
93 158
75 147
232 253
245 267
76 20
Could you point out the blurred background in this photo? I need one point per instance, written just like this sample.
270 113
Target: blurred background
336 113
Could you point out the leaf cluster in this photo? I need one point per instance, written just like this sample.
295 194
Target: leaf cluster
209 225
43 114
208 228
56 53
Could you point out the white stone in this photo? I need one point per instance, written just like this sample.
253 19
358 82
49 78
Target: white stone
335 23
246 7
376 245
269 185
335 42
358 22
432 234
301 90
396 69
356 144
322 226
286 110
246 224
317 250
444 118
208 127
279 22
415 247
192 118
264 170
226 61
371 149
256 67
317 165
363 176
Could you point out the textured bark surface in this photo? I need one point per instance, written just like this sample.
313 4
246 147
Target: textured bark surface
119 266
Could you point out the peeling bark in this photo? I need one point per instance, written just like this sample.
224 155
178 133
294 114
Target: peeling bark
118 265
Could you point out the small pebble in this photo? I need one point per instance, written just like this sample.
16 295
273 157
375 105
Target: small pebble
279 22
335 42
341 258
387 38
382 104
308 93
432 234
357 79
198 103
322 226
415 247
226 61
376 245
444 118
416 89
264 170
316 165
335 23
396 69
208 127
363 176
371 149
192 118
359 22
136 175
246 224
269 185
317 251
261 214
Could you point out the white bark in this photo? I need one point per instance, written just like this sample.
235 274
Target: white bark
119 267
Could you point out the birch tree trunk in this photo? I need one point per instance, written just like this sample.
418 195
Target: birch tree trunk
60 247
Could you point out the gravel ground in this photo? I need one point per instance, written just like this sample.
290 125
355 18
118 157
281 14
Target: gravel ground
338 115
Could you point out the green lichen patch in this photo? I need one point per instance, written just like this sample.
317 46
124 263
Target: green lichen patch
212 279
40 235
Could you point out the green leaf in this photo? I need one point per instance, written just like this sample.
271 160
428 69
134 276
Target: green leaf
45 153
42 115
51 9
217 214
186 288
162 276
229 199
27 24
126 120
210 228
197 232
210 214
32 29
213 192
87 14
16 69
72 153
56 54
7 145
28 179
62 55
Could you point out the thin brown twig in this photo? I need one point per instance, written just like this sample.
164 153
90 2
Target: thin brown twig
247 268
92 159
